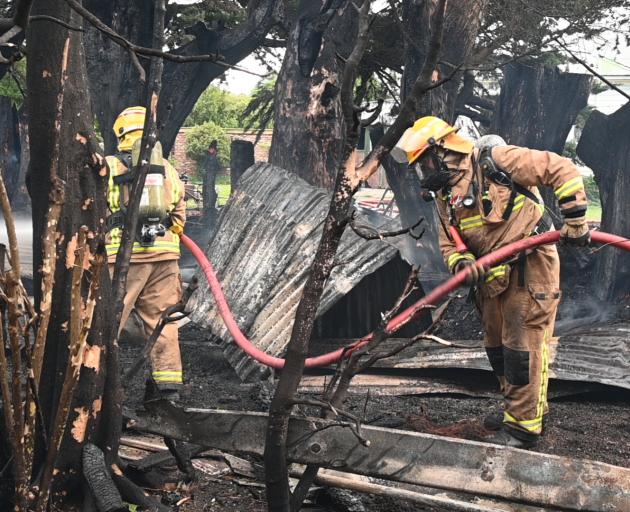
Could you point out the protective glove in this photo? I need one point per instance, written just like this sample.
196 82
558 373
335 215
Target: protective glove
476 273
575 232
176 228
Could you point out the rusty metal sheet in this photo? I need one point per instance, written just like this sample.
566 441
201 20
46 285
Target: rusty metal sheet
409 457
266 241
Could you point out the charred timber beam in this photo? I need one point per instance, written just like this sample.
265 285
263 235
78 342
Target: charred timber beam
410 457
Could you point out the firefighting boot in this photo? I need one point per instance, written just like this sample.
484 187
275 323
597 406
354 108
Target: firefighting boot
513 438
494 421
153 392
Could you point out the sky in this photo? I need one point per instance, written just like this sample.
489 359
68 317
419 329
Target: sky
243 83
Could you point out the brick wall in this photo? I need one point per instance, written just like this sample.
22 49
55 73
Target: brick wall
261 154
185 164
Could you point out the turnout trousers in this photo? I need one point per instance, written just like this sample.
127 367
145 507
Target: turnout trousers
151 288
519 324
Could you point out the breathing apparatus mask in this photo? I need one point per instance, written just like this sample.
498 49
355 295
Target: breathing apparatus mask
433 172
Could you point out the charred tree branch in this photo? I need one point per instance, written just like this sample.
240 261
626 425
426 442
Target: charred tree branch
592 71
71 375
44 17
20 20
368 232
150 52
422 85
115 395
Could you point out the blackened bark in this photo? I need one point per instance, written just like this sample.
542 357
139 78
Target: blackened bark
461 26
605 148
10 147
308 120
63 148
241 159
114 80
405 185
22 201
537 107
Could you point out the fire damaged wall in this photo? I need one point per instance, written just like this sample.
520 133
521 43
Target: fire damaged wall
262 250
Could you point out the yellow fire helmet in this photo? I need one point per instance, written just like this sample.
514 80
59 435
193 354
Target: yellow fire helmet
426 132
129 120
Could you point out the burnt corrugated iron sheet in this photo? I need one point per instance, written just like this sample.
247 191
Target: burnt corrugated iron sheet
600 354
269 232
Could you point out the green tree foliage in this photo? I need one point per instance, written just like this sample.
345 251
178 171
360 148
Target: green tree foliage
220 107
592 190
200 137
259 112
12 85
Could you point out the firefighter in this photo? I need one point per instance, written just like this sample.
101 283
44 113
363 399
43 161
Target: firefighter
153 281
487 198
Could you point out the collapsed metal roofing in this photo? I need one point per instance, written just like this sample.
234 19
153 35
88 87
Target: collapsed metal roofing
266 241
596 354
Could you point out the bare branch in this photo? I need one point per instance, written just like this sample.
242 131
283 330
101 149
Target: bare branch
375 113
313 402
44 17
350 73
374 234
405 118
592 71
150 52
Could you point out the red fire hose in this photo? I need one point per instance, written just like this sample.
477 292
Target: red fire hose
398 321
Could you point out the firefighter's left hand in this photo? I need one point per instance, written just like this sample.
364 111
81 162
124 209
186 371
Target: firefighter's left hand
575 232
476 273
176 228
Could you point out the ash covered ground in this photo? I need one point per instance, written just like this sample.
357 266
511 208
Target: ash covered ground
591 425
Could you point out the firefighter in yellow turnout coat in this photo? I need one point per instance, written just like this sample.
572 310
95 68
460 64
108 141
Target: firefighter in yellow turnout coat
153 282
487 198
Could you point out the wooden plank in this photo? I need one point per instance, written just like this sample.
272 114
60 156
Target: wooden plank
397 385
410 457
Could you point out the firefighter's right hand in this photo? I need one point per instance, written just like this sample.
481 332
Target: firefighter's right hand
476 273
575 232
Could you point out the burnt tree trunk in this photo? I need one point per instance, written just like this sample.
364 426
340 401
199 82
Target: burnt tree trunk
114 80
462 23
605 147
241 159
537 107
65 171
308 122
10 147
461 26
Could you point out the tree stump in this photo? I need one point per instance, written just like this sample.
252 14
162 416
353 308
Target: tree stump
605 148
537 108
241 159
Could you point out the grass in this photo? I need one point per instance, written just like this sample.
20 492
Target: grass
223 191
594 212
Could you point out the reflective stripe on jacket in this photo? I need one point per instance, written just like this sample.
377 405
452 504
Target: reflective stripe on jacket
487 231
166 247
